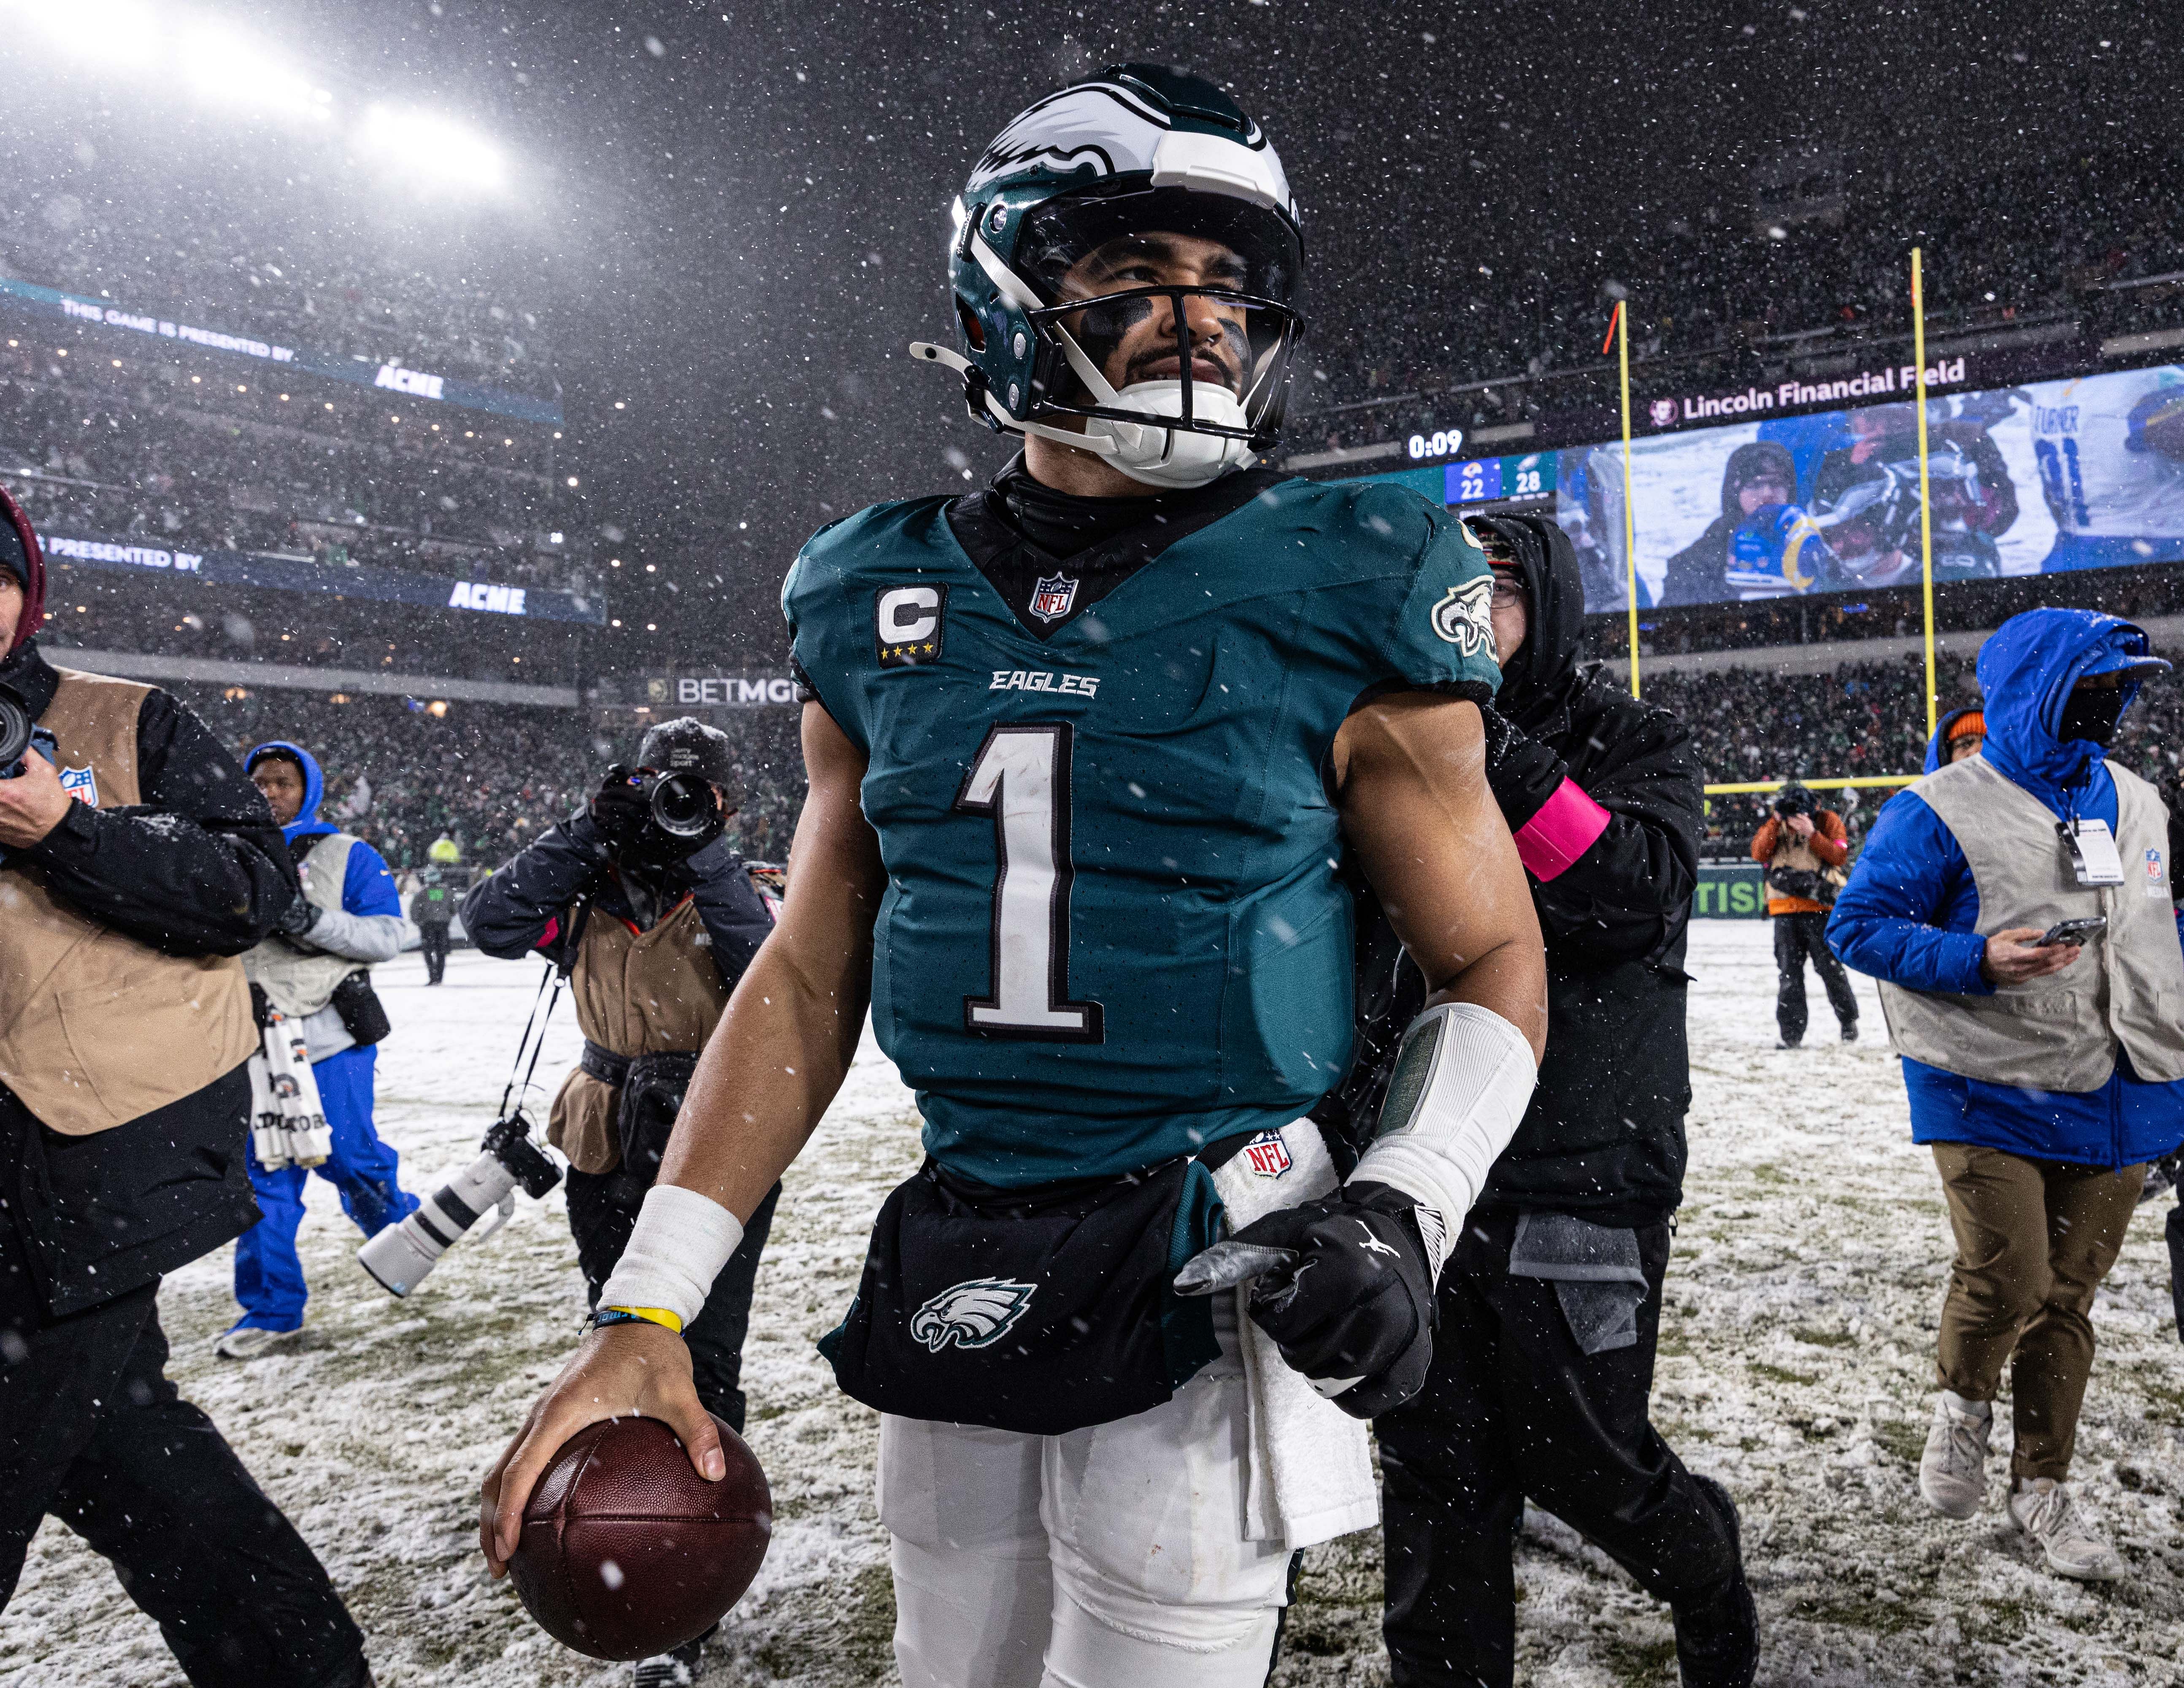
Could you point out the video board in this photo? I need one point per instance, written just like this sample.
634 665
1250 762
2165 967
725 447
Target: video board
2080 472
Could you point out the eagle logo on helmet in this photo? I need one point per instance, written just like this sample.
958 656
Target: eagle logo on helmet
1464 618
1135 150
976 1313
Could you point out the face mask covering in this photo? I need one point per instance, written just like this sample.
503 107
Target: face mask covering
2090 713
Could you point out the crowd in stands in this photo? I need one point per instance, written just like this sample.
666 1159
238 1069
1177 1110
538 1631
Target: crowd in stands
132 610
1859 718
401 772
306 287
2134 593
1995 253
154 452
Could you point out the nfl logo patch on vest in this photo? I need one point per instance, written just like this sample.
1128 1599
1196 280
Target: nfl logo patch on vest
1053 596
81 784
1268 1156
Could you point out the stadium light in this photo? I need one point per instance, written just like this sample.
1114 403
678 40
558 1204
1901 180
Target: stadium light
224 69
112 34
434 148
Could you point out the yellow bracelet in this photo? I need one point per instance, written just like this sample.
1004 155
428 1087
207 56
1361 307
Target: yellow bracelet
659 1316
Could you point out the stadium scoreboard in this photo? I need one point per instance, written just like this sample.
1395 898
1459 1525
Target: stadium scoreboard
1483 480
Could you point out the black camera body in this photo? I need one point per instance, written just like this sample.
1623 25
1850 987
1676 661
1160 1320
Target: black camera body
17 731
649 819
1793 800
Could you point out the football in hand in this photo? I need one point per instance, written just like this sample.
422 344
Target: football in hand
627 1552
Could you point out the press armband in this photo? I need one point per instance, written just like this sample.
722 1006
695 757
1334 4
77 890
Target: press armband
681 1241
1462 1081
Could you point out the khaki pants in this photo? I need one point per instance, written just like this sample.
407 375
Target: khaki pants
2034 1239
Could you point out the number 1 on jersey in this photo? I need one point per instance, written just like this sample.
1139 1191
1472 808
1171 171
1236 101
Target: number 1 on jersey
1021 777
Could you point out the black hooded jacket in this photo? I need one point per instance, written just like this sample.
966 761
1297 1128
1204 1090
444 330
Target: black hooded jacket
522 907
1604 1135
1699 573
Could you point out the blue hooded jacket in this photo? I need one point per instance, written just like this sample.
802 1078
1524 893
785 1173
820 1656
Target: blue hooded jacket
367 888
1940 742
1909 913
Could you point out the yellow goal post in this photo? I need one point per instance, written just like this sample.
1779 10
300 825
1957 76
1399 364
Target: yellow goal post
1736 788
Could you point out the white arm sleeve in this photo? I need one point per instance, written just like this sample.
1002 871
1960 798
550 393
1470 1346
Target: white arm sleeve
1462 1080
360 937
681 1242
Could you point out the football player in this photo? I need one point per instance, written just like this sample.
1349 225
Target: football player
1094 754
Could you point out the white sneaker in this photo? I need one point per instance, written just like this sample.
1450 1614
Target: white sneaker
248 1341
2049 1512
1953 1471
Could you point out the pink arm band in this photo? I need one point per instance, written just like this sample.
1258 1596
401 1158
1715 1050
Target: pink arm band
1563 830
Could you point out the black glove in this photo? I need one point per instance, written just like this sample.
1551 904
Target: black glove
621 809
1522 773
296 920
1359 1302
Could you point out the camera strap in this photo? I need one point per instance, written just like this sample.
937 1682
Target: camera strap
556 975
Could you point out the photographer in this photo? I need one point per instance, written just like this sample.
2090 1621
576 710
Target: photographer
136 865
1550 1304
316 968
1804 847
655 929
2017 907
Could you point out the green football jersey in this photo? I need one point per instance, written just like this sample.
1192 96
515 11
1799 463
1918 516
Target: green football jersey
1112 931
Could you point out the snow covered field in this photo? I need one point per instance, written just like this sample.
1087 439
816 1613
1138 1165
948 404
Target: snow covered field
1795 1364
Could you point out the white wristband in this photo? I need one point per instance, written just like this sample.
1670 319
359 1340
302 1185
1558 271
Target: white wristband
1461 1081
681 1241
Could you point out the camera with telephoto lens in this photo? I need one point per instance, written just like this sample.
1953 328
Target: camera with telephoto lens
400 1255
15 730
1793 800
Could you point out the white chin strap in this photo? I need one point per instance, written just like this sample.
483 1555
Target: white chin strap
1158 456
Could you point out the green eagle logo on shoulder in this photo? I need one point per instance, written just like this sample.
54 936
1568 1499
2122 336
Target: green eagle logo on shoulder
1464 618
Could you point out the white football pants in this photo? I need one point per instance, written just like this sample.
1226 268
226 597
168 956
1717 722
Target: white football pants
1110 1558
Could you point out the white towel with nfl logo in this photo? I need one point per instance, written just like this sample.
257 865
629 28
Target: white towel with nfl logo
1310 1462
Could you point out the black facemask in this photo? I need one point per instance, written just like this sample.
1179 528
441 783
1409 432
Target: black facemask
2091 713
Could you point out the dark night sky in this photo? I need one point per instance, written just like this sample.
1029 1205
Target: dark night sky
736 233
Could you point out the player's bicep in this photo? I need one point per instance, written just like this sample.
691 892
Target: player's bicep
1417 810
835 874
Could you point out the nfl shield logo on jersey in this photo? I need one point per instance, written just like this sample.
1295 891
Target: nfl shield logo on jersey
81 784
1268 1156
1053 598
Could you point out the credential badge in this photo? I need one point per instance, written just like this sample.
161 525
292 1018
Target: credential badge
81 783
1053 596
1464 617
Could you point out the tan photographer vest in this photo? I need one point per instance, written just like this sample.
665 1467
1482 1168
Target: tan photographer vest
2126 988
96 1028
635 993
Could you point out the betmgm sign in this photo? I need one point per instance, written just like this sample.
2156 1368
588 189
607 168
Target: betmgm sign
745 690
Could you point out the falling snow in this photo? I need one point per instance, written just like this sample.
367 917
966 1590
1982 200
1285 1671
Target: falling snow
1796 1358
